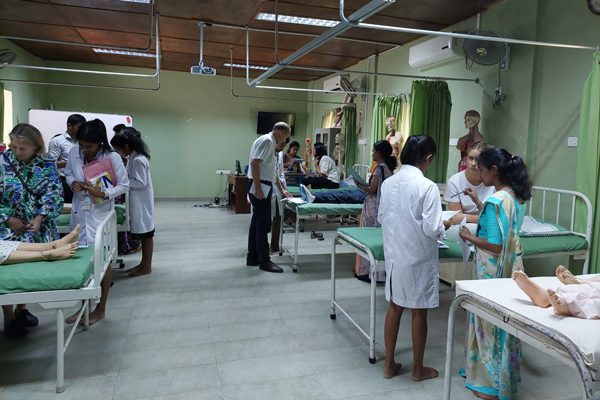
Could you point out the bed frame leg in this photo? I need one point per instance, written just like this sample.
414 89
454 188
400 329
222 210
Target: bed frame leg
334 246
86 315
450 347
60 351
373 274
295 266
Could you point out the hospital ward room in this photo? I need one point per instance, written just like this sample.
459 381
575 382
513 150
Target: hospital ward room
300 200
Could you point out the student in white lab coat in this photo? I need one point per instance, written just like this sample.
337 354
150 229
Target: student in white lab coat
93 145
129 144
410 213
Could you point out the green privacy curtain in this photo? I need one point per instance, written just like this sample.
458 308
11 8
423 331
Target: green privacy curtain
588 157
349 135
384 107
430 115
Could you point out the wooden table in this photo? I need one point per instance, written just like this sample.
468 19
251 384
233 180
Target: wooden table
238 191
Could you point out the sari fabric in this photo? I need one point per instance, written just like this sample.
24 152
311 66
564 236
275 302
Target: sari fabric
493 356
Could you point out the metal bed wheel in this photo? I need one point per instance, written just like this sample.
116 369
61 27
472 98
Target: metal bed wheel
372 360
332 316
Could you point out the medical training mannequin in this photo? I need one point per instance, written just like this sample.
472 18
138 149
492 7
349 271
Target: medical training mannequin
466 143
339 153
13 252
393 137
579 297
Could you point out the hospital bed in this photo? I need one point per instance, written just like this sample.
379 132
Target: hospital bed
368 243
63 221
501 302
312 209
122 210
63 284
315 209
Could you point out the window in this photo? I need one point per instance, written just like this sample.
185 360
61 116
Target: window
8 115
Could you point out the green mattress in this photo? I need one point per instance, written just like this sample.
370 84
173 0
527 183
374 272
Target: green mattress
47 275
373 239
65 219
295 190
325 208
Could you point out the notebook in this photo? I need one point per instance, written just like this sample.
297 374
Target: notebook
532 227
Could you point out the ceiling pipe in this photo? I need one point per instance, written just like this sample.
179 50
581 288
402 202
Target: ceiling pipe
95 72
269 98
346 71
416 31
61 42
292 88
239 27
364 12
157 75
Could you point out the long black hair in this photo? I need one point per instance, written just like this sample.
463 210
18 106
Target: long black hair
416 149
94 131
384 148
512 170
131 137
320 150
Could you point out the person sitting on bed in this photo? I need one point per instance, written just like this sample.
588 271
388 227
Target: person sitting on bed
291 160
466 192
326 175
13 252
578 297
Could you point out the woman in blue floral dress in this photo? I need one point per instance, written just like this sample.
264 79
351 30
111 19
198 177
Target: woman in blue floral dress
31 198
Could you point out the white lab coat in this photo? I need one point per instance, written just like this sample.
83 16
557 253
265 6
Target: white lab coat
90 219
141 194
410 214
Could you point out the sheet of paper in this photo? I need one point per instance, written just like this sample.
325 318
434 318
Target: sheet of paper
446 215
357 178
265 189
464 246
295 200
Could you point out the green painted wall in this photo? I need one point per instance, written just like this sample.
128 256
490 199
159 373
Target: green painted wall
193 125
24 96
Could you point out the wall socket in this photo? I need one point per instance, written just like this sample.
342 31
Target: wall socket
572 141
223 172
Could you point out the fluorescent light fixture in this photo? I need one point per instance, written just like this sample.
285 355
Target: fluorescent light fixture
290 19
243 66
137 1
124 53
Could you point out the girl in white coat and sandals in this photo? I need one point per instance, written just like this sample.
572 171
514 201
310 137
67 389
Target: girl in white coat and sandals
129 144
91 204
410 214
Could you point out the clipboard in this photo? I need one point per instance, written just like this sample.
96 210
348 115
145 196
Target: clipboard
357 178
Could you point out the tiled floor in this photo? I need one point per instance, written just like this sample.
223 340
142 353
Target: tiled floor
204 326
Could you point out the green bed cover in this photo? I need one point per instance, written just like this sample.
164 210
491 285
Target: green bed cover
47 275
295 190
65 219
373 239
326 208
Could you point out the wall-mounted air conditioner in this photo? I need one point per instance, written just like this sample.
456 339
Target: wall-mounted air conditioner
333 83
433 52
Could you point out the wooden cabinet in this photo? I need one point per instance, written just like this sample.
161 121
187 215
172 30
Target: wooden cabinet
238 191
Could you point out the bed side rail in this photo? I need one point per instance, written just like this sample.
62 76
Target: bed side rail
105 246
549 203
363 170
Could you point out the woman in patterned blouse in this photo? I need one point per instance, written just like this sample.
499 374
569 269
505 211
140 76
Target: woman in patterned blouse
31 198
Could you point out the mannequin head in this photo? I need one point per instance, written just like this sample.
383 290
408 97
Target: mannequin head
390 123
472 119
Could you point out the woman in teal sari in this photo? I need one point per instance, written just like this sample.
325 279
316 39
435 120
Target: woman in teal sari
493 356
